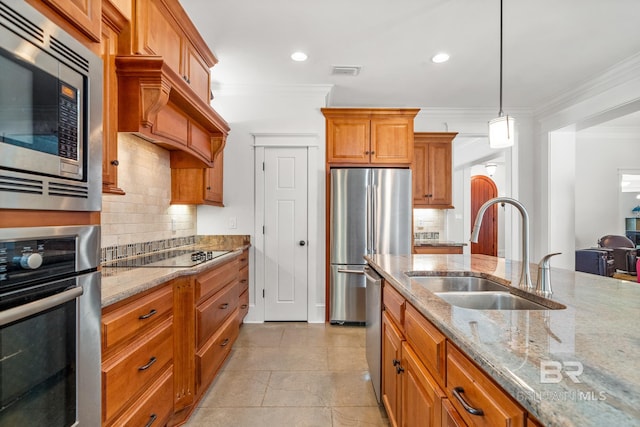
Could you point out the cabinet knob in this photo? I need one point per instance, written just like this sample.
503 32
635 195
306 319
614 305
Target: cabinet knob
366 152
373 152
399 369
115 162
208 188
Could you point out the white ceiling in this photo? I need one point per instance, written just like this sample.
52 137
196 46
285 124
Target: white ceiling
550 47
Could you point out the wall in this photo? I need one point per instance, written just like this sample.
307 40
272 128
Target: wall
264 110
600 153
615 93
143 214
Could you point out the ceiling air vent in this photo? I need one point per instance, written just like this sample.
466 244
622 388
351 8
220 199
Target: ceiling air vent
345 70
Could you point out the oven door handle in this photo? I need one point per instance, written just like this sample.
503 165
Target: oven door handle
35 307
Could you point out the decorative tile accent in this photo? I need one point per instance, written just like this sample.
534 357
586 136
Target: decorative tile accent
111 253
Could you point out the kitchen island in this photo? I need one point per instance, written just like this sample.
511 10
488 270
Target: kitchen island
593 344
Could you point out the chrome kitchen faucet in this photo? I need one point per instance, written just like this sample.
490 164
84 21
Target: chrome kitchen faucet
525 274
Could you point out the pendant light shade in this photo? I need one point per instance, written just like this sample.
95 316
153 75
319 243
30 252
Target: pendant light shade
501 132
501 129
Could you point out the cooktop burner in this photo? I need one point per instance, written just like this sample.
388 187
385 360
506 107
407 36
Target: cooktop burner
173 258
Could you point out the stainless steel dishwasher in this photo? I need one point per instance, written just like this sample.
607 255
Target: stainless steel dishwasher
373 334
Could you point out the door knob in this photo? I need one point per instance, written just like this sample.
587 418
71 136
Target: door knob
302 243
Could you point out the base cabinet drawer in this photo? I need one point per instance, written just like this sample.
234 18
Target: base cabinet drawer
154 407
476 398
212 281
211 314
244 305
451 417
394 304
131 319
428 342
130 371
210 357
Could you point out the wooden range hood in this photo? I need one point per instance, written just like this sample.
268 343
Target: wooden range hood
158 105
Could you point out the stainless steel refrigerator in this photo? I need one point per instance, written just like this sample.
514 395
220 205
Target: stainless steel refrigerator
370 214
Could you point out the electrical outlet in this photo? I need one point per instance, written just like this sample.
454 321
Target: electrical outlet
233 222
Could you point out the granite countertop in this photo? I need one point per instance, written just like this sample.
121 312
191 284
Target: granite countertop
436 243
597 333
121 283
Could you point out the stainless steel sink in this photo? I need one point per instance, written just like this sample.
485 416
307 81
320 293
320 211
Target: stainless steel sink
489 300
458 284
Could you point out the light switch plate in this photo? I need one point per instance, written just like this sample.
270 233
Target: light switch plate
233 222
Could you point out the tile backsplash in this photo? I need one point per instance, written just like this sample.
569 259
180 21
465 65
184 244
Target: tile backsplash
143 216
429 224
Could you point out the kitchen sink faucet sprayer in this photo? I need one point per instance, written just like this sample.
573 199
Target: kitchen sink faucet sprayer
525 274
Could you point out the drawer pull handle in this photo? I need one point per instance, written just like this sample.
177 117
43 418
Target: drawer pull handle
148 365
457 392
243 306
152 419
224 306
243 281
149 314
225 342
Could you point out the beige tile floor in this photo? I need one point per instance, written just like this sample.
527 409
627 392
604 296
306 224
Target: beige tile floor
293 374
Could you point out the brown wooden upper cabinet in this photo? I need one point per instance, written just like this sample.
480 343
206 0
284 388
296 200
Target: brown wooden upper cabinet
360 136
82 15
160 30
193 186
432 170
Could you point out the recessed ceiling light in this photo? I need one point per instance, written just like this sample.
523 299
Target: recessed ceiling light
299 56
440 57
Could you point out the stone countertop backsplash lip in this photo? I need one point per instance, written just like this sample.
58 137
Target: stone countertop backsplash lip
121 283
597 332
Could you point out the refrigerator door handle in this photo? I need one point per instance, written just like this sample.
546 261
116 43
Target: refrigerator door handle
347 270
369 246
374 219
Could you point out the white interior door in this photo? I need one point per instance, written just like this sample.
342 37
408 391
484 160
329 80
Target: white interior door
285 234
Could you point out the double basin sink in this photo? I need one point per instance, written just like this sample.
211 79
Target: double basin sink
481 294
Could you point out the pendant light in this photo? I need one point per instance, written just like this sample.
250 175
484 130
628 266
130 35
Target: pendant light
501 129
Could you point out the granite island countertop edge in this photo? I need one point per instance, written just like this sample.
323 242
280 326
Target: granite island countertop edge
549 413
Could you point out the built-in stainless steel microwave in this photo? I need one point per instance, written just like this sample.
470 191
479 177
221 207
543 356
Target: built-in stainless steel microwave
50 115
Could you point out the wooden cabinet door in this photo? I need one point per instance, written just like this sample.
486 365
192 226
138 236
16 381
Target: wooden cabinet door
156 34
214 182
391 140
85 15
432 169
439 176
421 395
419 171
196 73
391 378
109 49
348 140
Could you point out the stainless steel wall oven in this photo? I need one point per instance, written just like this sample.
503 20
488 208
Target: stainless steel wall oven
50 326
50 115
